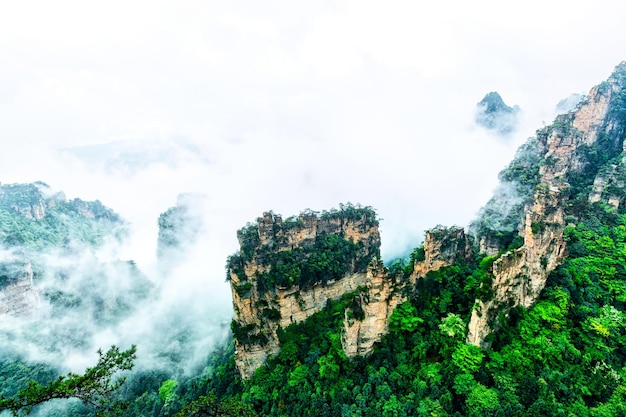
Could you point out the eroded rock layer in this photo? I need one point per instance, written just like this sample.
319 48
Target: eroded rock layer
520 274
286 271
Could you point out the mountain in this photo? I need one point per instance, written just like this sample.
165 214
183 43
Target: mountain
180 227
492 113
522 314
34 219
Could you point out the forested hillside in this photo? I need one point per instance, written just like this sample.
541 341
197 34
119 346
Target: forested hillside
564 356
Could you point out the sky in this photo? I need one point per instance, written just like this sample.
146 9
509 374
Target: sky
284 106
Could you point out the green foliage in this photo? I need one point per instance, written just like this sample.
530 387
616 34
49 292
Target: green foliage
271 314
566 355
349 211
537 227
247 334
95 387
208 405
31 219
243 289
167 391
405 319
452 326
354 306
482 401
248 239
329 258
467 358
235 264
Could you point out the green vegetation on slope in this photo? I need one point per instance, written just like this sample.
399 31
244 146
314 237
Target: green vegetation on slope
564 356
328 258
31 219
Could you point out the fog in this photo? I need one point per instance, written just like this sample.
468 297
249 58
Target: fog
277 106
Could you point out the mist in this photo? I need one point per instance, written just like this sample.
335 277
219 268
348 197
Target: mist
261 107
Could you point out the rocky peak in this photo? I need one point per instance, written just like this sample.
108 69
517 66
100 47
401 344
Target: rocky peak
443 246
572 151
493 114
29 200
286 270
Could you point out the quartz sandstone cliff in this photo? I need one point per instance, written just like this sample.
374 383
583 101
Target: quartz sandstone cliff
261 311
18 294
442 247
520 274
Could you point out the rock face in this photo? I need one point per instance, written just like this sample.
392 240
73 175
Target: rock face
520 274
442 247
276 281
608 186
266 300
18 294
377 302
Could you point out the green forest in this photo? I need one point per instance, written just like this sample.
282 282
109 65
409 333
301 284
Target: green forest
564 356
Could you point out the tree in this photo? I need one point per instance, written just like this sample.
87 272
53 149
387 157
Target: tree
452 325
208 406
95 387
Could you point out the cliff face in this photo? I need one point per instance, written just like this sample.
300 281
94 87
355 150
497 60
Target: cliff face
18 294
564 148
377 300
442 247
278 279
287 270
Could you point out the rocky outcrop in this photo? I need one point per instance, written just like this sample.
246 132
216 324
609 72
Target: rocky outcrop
32 201
266 300
608 185
520 274
276 279
375 303
442 247
493 114
18 294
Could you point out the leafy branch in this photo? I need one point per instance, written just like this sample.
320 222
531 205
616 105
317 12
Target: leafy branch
95 387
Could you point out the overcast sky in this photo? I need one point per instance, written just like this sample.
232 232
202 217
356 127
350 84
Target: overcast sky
286 105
